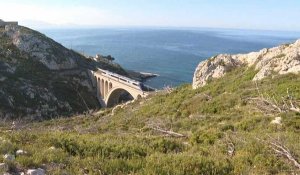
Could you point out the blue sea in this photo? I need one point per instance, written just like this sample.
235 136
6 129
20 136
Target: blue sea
171 53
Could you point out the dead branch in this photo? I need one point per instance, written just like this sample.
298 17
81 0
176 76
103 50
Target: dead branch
293 107
171 133
231 149
269 104
285 105
283 151
265 105
295 110
230 146
208 97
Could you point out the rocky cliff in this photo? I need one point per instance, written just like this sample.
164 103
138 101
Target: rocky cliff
278 60
40 78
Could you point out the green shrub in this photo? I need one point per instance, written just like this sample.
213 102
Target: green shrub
205 137
186 164
6 147
166 146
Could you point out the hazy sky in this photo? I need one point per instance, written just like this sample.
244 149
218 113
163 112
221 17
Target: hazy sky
248 14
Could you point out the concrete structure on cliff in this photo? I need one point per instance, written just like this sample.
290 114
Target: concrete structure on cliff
4 23
113 88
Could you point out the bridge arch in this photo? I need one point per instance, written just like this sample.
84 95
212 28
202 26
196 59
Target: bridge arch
118 95
113 89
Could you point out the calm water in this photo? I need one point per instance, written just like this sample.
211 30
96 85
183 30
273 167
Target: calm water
173 54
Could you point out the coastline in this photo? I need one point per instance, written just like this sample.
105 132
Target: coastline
141 76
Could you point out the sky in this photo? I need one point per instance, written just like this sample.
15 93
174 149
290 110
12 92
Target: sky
239 14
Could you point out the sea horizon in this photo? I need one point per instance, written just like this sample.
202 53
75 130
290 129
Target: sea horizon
50 26
142 49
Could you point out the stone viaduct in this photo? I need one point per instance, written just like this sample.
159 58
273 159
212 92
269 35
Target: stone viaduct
111 86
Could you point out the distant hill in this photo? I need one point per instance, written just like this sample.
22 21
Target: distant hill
40 78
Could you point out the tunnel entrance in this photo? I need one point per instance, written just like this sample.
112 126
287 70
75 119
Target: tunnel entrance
118 96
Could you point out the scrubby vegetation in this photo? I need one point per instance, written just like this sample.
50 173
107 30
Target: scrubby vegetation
222 128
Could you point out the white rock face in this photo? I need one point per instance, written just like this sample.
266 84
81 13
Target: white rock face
44 50
282 60
38 171
214 68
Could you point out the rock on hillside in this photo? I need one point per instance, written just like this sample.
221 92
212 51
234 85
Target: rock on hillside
54 56
281 60
40 78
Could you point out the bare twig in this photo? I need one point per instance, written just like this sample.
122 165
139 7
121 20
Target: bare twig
171 133
231 149
283 151
230 145
269 104
285 105
265 104
293 107
295 110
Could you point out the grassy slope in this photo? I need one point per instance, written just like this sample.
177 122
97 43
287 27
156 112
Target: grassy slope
210 117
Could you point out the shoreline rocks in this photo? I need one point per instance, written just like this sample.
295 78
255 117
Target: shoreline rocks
141 76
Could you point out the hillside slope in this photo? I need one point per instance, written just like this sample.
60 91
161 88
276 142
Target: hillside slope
39 78
232 125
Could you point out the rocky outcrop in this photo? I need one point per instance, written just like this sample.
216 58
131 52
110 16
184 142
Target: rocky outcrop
53 55
281 60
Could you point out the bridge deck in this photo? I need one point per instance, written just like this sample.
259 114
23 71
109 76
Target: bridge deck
125 80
